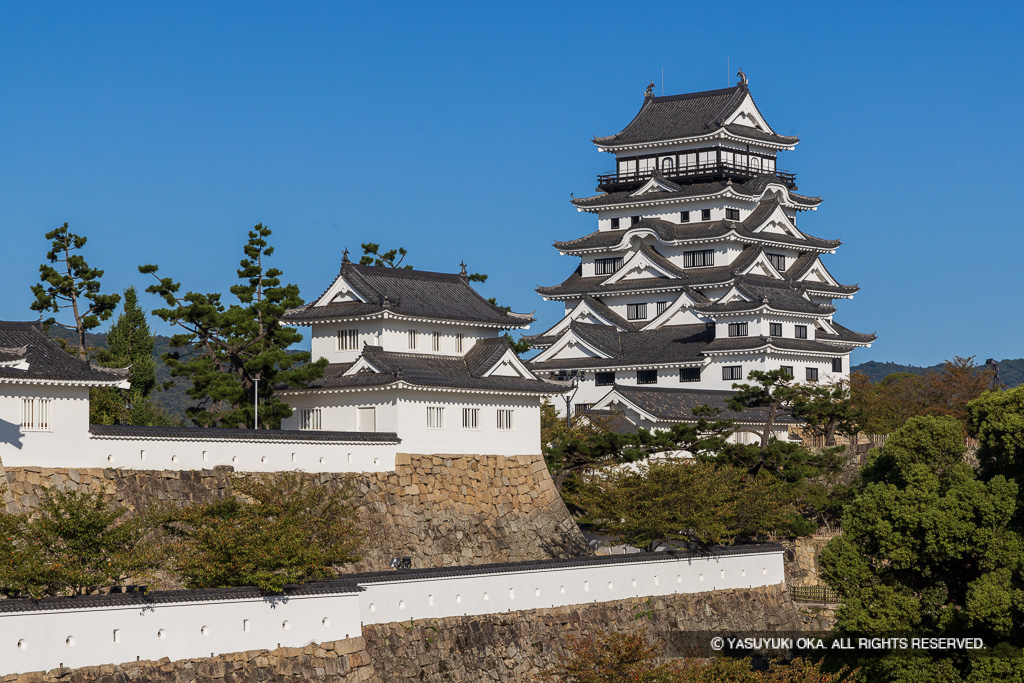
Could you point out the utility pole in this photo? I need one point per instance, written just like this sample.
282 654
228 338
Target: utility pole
256 404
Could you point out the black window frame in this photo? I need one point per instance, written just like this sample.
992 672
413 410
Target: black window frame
705 214
774 329
732 214
601 379
615 223
684 216
739 329
634 311
633 220
837 365
728 372
789 370
800 331
646 376
812 374
698 258
601 265
689 374
778 261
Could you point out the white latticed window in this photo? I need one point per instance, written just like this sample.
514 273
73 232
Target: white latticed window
504 419
309 418
435 417
35 413
459 338
348 340
470 418
412 339
435 341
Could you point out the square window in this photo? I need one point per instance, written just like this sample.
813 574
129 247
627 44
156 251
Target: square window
732 372
580 408
504 419
732 214
633 220
737 329
309 418
615 223
646 376
689 374
684 217
604 379
837 365
470 418
705 214
788 369
636 311
775 329
801 331
812 374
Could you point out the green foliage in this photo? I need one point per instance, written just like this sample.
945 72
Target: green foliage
372 256
230 348
699 503
77 544
272 532
928 548
828 410
67 282
518 346
997 419
773 390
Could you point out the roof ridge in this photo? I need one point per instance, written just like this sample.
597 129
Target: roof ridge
692 95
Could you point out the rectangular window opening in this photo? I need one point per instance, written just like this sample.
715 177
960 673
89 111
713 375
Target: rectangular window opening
459 342
470 418
705 214
435 417
696 259
604 379
788 369
812 374
732 372
684 217
738 329
689 374
775 329
732 214
801 331
646 376
778 262
412 339
435 341
348 340
636 311
662 307
504 419
607 266
837 365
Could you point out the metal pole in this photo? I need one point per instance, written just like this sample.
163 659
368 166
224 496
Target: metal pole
256 404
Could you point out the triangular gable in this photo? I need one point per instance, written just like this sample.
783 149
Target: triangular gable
583 313
656 184
779 223
682 303
639 265
817 273
825 326
509 365
613 399
340 291
747 115
761 266
734 294
570 346
362 365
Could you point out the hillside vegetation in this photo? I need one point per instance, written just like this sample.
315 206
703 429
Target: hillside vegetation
1011 370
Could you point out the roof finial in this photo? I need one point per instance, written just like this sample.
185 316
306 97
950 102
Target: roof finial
649 92
743 77
463 272
344 256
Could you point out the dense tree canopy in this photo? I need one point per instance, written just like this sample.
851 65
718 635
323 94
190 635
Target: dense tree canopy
226 351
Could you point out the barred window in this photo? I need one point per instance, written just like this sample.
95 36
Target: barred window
604 379
775 329
778 261
309 418
812 374
737 329
732 214
435 417
705 214
459 338
788 369
435 341
504 419
801 331
35 414
412 339
732 372
607 266
636 311
348 340
662 306
646 376
837 365
615 223
684 217
689 374
703 257
470 418
581 408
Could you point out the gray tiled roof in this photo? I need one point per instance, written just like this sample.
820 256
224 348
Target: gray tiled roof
46 360
785 343
845 335
209 434
430 371
688 115
665 345
676 405
752 188
779 295
413 293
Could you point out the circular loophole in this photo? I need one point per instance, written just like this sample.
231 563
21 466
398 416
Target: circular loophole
204 631
458 599
486 597
373 608
321 460
401 604
326 622
286 624
161 634
110 458
376 461
234 459
70 641
22 644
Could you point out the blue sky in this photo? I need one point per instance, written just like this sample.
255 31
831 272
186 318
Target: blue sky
163 131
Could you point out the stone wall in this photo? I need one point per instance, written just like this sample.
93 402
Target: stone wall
440 510
502 647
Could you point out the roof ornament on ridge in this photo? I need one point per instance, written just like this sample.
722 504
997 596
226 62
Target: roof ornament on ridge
344 256
462 265
649 91
743 77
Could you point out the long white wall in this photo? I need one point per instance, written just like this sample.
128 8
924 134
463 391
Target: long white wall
105 632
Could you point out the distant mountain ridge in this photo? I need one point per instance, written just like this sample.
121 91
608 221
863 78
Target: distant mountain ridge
1011 370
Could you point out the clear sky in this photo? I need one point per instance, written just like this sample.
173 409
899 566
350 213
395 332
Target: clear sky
163 131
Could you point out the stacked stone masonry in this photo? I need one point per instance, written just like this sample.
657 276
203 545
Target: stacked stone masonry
505 647
440 510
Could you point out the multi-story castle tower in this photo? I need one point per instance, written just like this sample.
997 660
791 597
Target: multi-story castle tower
697 272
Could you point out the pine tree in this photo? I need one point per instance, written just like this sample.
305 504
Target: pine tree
69 282
230 350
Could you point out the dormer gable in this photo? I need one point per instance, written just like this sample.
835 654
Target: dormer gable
746 114
762 266
588 311
570 345
779 223
656 184
362 365
642 264
340 291
733 295
817 273
509 365
678 308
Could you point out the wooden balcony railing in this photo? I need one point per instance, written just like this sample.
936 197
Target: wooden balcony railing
609 181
